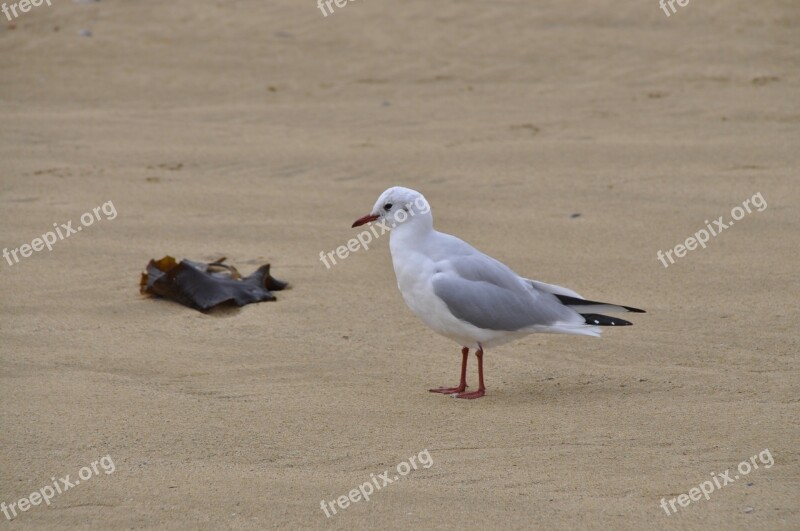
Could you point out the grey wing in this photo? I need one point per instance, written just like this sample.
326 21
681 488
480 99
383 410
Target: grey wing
489 299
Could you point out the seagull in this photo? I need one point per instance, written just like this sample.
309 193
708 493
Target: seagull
470 297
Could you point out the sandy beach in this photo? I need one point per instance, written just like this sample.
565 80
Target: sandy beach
574 141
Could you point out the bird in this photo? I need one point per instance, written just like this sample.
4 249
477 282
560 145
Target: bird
470 297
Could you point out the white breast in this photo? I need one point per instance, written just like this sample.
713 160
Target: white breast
415 273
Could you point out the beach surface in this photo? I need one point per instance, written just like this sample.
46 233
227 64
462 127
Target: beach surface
573 141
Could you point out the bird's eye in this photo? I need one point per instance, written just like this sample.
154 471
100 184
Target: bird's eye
387 206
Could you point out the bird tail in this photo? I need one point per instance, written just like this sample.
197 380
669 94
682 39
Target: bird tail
583 306
587 308
595 319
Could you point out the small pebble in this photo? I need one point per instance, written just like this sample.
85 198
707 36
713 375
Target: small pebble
575 215
85 33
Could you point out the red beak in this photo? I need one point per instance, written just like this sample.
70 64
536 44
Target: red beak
365 219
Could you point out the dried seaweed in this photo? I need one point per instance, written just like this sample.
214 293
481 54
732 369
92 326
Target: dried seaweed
203 286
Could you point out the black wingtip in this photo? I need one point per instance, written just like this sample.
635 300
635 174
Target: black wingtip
574 301
634 310
596 319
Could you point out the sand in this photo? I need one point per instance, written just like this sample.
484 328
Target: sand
260 130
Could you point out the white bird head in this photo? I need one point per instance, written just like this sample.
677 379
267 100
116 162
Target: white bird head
399 206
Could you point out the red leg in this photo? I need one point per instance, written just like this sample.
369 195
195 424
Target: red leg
481 387
463 384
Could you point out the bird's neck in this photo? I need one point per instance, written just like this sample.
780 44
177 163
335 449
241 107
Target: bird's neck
411 235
